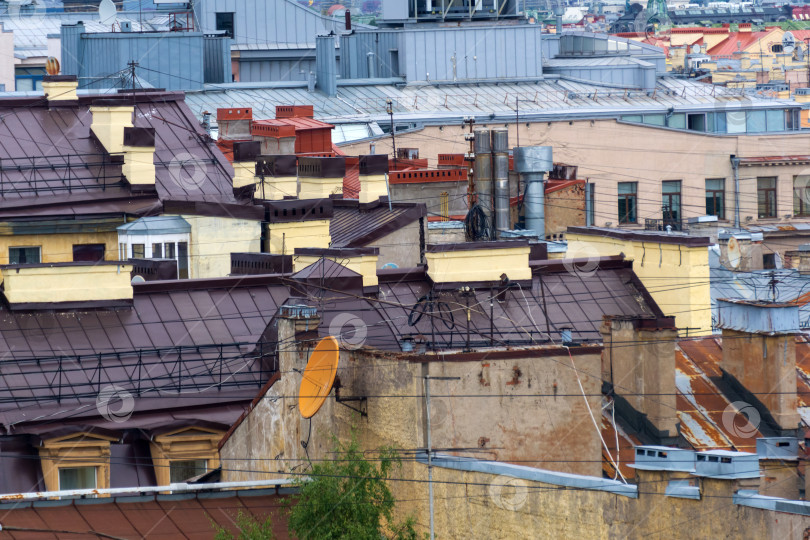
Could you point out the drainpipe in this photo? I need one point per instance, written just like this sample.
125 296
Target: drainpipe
735 164
532 162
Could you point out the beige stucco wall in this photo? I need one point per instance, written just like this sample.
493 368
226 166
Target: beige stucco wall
7 59
213 239
400 247
608 152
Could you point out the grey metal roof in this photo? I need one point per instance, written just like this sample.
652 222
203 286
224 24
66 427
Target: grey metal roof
552 98
156 225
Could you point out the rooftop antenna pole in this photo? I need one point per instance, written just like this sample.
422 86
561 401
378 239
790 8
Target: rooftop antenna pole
389 108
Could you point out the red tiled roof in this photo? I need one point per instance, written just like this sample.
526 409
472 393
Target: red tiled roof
298 122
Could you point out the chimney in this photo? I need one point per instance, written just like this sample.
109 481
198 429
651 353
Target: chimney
297 223
275 139
639 363
60 90
360 260
234 123
804 259
110 118
747 256
479 261
320 177
744 28
759 357
532 162
325 65
278 177
139 156
245 154
779 467
373 177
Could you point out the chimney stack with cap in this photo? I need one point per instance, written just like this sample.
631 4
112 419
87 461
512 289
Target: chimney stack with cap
639 363
60 90
373 177
759 357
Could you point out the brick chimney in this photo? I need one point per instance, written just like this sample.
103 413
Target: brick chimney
234 123
245 154
639 362
759 356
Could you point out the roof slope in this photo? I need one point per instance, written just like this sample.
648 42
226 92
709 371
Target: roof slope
48 157
355 225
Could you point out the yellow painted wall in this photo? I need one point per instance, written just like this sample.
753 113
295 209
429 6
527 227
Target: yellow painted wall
59 247
677 279
479 265
68 283
365 265
372 187
213 239
284 238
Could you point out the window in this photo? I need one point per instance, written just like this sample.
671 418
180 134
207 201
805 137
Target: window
180 471
628 196
77 478
715 197
182 260
24 255
169 250
775 120
157 251
776 47
766 197
122 251
801 195
769 261
671 192
225 22
88 252
138 251
27 79
696 122
755 121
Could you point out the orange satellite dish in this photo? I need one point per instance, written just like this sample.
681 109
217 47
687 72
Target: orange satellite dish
52 66
318 376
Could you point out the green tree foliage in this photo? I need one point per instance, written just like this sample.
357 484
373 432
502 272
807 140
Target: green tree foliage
249 528
347 498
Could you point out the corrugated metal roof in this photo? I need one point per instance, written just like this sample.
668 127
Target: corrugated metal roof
353 226
544 98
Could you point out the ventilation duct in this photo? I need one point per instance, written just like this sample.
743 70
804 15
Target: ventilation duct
532 162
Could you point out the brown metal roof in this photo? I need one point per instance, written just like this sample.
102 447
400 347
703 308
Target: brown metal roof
152 516
356 225
49 157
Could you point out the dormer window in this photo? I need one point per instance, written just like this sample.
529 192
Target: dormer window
157 237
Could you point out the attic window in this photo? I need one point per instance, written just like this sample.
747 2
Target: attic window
662 454
783 444
639 452
701 458
725 460
713 459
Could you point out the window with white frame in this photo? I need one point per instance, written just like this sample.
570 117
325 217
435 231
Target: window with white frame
157 237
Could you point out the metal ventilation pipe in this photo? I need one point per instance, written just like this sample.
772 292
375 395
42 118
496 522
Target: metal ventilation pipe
500 172
372 65
532 162
483 171
558 15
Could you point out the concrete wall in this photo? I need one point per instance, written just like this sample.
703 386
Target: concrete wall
429 193
401 247
213 239
677 277
488 506
608 152
491 409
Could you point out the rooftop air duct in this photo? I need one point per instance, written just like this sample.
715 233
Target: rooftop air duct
532 162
